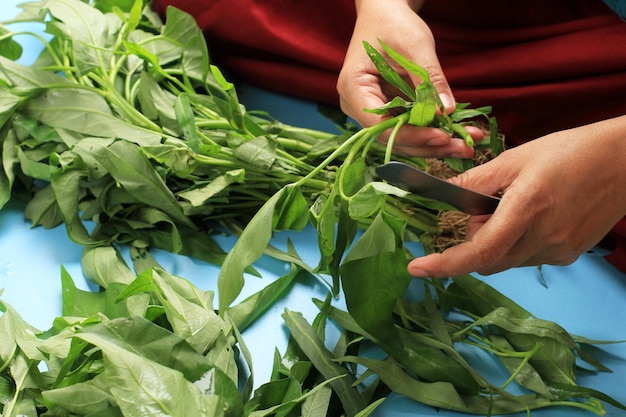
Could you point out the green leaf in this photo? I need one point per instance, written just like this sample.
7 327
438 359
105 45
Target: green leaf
248 310
104 265
564 391
79 303
279 396
406 63
425 107
387 71
142 386
185 118
248 248
157 103
86 398
324 218
132 170
86 28
525 375
286 407
9 162
369 200
108 6
291 211
324 362
16 334
372 287
443 394
260 152
200 195
395 103
66 182
27 79
9 48
317 405
42 209
152 342
183 28
9 102
88 113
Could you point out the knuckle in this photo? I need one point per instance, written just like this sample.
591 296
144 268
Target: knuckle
462 179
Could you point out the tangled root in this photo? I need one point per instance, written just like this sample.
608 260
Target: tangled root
453 223
453 226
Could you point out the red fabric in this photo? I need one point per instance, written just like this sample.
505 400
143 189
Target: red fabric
291 47
544 65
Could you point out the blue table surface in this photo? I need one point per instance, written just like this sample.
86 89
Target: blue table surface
587 297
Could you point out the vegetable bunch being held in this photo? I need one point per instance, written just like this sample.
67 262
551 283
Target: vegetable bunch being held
562 193
361 87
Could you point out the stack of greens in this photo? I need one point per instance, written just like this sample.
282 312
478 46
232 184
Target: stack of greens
124 124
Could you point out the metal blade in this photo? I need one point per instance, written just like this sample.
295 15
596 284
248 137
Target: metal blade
426 185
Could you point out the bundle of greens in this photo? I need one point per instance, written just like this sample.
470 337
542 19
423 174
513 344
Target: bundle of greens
124 132
124 121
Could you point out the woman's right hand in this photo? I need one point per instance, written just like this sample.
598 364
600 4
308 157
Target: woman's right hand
360 85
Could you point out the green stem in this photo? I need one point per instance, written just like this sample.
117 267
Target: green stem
295 161
213 124
593 406
294 145
112 95
410 219
392 139
526 357
371 131
317 134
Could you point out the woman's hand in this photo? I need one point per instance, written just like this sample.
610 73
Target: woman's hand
360 86
562 195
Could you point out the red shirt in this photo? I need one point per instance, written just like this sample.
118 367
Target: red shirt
544 65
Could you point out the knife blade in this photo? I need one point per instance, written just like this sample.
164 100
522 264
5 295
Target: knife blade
426 185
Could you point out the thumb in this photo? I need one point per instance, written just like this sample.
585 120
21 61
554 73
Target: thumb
439 81
428 61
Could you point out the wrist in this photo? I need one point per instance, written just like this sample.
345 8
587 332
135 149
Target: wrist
414 5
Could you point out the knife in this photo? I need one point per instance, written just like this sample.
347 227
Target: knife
426 185
468 201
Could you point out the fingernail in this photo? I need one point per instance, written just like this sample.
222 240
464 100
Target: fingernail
447 101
